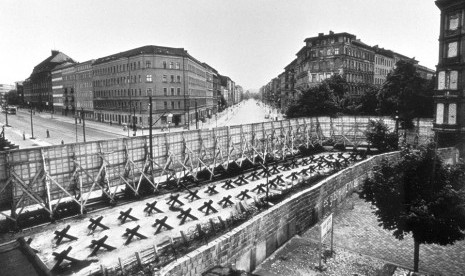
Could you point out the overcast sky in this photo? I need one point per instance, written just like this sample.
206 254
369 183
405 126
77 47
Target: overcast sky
251 41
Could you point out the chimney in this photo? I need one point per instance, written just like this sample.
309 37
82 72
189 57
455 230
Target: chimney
331 32
55 52
320 34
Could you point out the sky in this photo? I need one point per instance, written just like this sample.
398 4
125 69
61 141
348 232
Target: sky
251 41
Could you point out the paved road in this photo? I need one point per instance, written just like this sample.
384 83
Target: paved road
62 128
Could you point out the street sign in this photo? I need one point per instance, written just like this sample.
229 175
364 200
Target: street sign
326 226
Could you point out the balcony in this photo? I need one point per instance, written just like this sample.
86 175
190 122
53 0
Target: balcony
448 94
447 128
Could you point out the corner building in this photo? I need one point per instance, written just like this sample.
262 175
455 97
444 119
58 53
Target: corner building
449 122
123 82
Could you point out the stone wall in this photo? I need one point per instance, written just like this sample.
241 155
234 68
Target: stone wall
249 244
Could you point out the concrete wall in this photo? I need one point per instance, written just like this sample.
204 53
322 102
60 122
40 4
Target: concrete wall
249 244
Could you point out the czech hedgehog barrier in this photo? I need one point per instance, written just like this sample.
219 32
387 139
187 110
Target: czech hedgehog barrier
47 176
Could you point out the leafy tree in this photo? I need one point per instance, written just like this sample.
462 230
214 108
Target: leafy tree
379 136
368 101
12 98
326 99
402 92
421 196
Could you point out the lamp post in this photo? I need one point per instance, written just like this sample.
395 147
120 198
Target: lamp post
32 126
5 108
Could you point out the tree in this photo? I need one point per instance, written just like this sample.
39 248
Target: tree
402 92
326 99
12 98
379 136
368 101
421 196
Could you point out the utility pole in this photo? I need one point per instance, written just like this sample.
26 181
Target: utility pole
5 107
150 132
83 124
134 118
76 126
32 127
196 116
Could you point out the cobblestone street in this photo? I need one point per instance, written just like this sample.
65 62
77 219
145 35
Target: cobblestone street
357 229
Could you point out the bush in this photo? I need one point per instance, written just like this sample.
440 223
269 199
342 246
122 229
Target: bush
379 136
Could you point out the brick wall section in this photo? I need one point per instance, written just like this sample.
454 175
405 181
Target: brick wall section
249 244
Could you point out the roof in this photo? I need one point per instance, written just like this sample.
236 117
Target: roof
52 61
448 3
331 34
149 49
359 43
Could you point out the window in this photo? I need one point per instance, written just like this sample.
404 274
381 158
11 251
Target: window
446 113
453 22
172 91
165 105
172 78
177 65
149 78
336 51
165 91
452 49
171 65
149 91
164 78
179 105
172 105
178 79
164 64
447 80
179 91
452 120
148 64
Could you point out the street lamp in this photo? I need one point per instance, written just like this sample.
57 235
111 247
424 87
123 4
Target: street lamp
32 126
170 117
5 108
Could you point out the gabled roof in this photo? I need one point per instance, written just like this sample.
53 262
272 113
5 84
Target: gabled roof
52 61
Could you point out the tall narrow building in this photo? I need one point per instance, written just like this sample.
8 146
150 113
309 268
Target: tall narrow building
449 122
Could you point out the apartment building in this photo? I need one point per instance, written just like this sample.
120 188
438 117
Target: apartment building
84 97
38 87
450 96
332 54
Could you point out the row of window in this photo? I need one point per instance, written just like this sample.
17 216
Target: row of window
133 66
382 71
347 51
384 61
134 79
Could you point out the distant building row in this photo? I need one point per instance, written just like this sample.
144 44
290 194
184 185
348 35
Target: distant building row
335 53
116 88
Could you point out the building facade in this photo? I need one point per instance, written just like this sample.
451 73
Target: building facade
38 91
450 96
332 54
116 88
83 90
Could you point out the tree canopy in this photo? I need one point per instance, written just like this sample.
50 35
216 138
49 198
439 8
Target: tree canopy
421 196
405 94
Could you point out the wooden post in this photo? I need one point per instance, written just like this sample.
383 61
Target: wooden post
139 262
81 198
121 266
321 250
332 234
